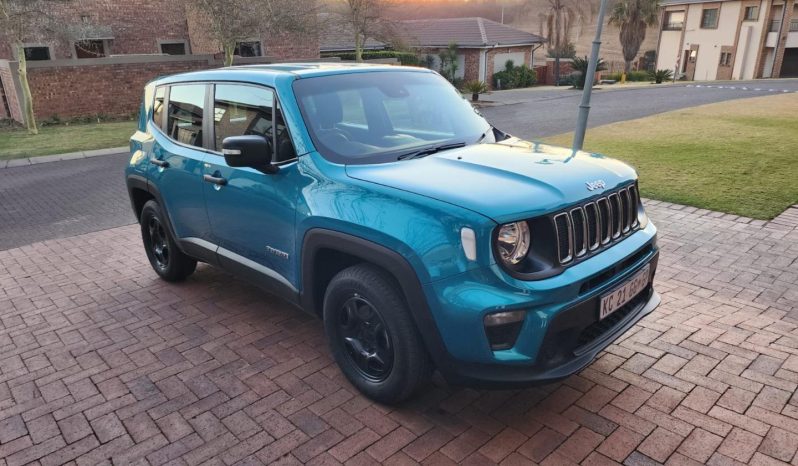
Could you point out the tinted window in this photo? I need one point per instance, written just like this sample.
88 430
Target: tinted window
709 18
186 103
37 53
247 49
375 117
249 110
157 106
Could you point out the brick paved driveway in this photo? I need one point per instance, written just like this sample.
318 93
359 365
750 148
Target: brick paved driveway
102 362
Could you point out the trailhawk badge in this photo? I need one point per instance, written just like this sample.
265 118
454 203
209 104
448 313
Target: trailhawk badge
594 185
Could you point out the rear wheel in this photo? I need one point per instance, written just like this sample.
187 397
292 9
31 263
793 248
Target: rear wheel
166 258
372 335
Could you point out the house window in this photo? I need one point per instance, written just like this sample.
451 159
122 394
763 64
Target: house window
674 20
90 49
248 49
751 13
37 53
709 18
725 58
173 48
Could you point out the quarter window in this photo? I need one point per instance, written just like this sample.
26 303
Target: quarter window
186 104
157 106
709 18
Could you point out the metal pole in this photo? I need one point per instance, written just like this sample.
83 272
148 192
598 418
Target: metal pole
584 105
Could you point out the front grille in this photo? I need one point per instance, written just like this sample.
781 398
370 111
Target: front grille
585 229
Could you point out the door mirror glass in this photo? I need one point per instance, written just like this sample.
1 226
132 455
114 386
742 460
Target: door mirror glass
249 151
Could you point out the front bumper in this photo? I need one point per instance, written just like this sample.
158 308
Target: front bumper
561 333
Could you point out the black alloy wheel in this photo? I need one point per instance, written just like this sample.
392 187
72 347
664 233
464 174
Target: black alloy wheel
365 336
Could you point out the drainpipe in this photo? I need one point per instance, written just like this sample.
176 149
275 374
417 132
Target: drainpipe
778 38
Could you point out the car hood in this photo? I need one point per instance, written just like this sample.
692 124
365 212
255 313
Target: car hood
505 181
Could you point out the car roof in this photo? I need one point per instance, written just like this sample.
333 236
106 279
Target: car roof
269 74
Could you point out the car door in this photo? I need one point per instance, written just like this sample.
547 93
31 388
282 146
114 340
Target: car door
177 154
252 213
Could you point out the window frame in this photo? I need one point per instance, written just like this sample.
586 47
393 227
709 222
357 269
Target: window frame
276 106
755 8
717 17
106 48
249 41
183 42
667 23
36 46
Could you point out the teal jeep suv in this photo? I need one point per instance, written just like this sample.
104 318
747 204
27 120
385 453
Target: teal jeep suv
378 199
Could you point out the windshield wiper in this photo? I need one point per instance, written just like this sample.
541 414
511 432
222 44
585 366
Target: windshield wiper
430 150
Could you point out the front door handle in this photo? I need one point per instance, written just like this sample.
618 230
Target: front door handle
218 181
160 163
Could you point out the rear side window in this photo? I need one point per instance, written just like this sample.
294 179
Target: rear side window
186 104
248 110
157 107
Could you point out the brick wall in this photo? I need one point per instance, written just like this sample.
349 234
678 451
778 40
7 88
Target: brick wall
107 86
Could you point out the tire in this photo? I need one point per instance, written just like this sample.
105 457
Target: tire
365 319
168 261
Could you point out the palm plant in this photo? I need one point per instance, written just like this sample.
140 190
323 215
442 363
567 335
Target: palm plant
659 76
475 88
581 65
633 17
560 19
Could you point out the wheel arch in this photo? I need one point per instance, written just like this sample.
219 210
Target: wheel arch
326 252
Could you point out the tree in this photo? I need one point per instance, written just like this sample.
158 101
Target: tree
367 20
633 17
448 57
232 21
560 18
581 65
37 21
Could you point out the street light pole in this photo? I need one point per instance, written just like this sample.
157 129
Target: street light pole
584 105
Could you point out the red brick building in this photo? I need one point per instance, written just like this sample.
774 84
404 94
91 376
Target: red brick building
130 42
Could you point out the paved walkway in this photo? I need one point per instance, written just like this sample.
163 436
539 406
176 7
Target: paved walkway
101 362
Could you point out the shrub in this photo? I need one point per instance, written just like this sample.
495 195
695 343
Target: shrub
660 75
513 77
634 76
475 88
580 65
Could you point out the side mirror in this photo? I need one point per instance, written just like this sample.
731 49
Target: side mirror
249 151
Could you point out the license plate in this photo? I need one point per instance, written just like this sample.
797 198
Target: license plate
615 299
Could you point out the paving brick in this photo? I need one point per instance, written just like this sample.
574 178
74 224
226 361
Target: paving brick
740 445
780 444
541 444
700 445
660 444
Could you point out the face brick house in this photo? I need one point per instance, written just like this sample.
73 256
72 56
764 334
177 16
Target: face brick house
129 43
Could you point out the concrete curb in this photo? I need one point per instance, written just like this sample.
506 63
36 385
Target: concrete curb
61 157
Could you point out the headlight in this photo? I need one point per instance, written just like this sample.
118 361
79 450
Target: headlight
513 242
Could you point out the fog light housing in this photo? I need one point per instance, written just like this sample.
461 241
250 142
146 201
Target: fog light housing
502 328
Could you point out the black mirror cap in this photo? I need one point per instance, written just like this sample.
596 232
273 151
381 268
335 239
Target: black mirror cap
249 151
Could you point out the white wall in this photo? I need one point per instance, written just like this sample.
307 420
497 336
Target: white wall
669 50
711 40
748 45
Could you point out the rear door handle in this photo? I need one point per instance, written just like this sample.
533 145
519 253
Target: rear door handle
215 180
160 163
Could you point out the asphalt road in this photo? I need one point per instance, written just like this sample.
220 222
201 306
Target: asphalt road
533 114
59 199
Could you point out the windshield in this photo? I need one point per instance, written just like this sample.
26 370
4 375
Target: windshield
377 117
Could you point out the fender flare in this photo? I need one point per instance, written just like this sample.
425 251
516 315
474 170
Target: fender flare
392 262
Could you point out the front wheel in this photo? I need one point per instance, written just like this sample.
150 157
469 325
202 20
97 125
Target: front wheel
166 258
372 335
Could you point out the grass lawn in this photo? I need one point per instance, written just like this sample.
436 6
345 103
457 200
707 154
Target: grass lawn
739 157
15 144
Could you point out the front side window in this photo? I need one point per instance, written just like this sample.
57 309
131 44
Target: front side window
248 49
709 18
186 104
751 13
249 110
376 117
158 106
